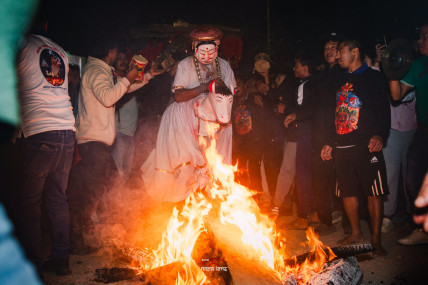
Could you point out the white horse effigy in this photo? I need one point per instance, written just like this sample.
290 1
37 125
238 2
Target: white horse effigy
176 166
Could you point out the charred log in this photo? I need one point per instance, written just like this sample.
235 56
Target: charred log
340 252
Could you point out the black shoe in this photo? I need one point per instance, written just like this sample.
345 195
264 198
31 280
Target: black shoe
59 267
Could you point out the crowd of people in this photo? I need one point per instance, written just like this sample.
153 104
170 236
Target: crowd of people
337 137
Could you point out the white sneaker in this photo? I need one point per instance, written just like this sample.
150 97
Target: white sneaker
387 225
418 236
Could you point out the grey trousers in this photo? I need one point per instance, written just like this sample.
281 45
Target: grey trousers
286 173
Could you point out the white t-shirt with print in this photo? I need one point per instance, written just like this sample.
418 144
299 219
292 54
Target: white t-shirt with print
43 87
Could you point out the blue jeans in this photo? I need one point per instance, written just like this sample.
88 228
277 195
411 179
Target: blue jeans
47 162
395 154
123 155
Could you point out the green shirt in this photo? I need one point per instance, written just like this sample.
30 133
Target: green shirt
417 77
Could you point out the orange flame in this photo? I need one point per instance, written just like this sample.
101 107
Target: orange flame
315 261
237 208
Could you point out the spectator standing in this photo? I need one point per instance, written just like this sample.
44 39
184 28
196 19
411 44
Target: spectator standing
301 118
47 137
403 126
152 99
96 132
362 122
417 159
126 125
323 104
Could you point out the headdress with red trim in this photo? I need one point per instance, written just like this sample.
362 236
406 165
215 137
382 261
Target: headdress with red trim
206 33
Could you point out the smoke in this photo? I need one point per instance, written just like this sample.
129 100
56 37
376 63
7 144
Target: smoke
126 214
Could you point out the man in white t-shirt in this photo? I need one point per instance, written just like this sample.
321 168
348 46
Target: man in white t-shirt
47 138
195 72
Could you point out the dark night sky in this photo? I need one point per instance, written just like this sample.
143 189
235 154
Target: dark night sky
73 23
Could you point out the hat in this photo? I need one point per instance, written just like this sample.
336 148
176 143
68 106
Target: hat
206 33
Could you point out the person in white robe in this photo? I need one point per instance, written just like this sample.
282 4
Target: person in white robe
177 166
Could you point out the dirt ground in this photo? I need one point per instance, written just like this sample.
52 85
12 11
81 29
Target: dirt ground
401 265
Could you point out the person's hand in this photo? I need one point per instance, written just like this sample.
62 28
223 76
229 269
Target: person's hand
375 144
422 202
132 74
258 100
280 108
263 88
326 152
289 119
155 72
380 50
203 88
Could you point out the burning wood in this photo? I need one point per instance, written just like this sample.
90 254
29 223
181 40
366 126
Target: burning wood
166 274
338 252
339 272
140 255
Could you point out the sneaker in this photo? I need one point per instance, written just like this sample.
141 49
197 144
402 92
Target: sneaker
59 267
418 236
387 225
336 217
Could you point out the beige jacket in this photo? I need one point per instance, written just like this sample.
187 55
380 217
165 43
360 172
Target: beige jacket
98 94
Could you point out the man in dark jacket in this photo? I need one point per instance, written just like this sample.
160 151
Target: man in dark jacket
362 122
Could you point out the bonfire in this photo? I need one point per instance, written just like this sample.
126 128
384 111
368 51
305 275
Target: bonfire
224 206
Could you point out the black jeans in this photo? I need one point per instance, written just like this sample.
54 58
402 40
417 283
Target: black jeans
89 181
324 184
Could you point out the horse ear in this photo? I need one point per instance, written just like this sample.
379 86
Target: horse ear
211 87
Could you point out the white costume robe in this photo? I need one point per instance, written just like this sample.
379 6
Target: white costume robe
172 170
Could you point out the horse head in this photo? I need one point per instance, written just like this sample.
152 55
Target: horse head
221 99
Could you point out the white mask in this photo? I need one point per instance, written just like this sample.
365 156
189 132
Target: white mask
206 53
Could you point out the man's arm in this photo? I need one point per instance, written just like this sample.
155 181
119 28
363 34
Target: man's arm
398 89
106 93
183 94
